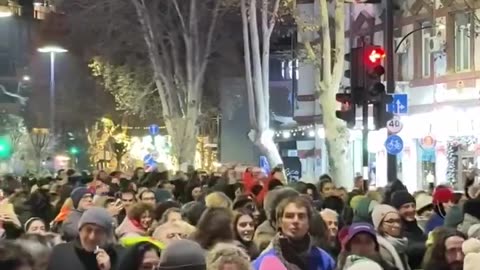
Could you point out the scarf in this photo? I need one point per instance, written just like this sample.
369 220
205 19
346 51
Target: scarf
400 244
293 254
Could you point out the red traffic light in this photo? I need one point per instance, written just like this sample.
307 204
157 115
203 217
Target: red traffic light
375 55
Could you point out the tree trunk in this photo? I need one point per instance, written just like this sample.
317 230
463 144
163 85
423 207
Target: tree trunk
264 142
183 133
336 140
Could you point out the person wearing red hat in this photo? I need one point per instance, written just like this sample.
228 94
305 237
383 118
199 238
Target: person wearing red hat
442 202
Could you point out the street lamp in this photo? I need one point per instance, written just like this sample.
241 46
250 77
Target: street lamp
52 50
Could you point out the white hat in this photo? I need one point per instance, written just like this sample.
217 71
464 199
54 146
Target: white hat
361 263
423 200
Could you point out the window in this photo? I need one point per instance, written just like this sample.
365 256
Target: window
426 54
287 69
463 41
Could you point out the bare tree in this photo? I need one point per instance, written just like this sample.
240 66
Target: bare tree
329 68
256 45
174 37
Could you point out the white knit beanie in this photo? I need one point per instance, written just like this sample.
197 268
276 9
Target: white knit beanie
379 213
354 262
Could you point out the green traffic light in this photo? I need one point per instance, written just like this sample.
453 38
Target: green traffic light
5 147
74 150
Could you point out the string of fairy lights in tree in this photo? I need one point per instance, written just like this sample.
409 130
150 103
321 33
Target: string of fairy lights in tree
454 144
309 131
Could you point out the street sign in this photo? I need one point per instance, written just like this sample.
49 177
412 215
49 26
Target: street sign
148 160
394 126
153 129
399 104
394 145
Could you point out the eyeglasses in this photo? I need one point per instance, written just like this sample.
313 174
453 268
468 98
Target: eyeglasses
393 221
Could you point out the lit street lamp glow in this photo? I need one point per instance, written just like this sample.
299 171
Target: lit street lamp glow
26 78
52 49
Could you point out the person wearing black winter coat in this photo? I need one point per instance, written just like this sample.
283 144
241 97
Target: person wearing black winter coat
405 203
72 256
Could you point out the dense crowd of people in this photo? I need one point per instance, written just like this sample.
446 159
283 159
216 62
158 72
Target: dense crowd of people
152 220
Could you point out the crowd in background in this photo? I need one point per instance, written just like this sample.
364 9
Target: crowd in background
193 220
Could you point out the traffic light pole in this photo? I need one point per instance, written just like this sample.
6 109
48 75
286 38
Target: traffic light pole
365 138
390 77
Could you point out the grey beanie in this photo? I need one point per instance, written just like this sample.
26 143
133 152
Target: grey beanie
183 254
97 216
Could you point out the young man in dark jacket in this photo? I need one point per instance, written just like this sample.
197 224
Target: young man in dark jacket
405 203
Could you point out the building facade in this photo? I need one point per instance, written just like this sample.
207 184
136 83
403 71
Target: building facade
438 66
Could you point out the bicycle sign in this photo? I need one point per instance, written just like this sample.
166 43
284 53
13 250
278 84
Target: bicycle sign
394 145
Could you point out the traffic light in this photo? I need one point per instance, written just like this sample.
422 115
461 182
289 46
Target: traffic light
380 114
356 75
74 150
347 110
5 148
374 71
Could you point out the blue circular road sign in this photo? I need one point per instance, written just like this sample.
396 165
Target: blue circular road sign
394 145
153 129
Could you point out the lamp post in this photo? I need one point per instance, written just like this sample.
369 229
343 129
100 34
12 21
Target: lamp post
52 50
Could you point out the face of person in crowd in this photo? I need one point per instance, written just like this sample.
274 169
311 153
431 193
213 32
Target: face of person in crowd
86 202
169 186
146 220
245 228
148 197
328 190
2 195
102 175
342 193
230 266
101 188
453 252
196 193
174 216
170 234
294 222
310 193
331 221
392 225
140 173
92 236
37 227
150 260
407 211
362 244
128 199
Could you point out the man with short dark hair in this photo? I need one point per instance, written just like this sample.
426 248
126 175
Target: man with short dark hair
148 196
292 246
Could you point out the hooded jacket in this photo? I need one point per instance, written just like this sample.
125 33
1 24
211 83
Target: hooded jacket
70 225
363 210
